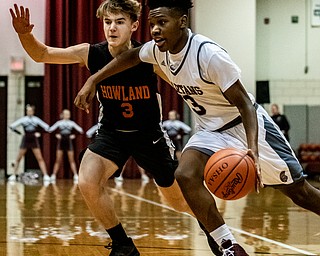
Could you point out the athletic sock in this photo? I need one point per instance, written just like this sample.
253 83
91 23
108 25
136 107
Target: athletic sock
118 234
222 234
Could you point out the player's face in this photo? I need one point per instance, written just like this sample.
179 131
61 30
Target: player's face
167 29
118 29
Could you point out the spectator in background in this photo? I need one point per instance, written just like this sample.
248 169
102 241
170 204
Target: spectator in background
30 140
281 120
65 137
176 129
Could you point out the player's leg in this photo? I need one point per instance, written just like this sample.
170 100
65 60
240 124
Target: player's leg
189 175
284 168
38 155
174 198
304 195
158 160
94 173
57 163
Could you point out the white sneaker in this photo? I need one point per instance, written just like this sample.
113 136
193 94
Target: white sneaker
75 177
12 177
145 178
46 177
119 179
53 177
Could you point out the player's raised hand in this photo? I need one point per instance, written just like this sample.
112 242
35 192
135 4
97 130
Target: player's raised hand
85 95
21 19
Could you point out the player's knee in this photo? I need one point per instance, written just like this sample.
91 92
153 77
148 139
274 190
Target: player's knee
85 184
183 176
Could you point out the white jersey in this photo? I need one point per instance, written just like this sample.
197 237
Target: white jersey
65 127
200 73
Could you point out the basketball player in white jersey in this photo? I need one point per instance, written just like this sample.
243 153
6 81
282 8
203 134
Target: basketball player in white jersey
209 81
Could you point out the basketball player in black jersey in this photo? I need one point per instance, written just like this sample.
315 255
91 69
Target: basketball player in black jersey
126 128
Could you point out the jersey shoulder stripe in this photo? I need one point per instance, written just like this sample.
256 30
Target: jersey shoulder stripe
198 59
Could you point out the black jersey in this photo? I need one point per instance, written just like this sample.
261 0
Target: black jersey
128 100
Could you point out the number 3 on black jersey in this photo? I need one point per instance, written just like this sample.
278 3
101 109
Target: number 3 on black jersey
200 110
128 111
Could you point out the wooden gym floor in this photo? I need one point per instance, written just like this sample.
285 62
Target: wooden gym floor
52 219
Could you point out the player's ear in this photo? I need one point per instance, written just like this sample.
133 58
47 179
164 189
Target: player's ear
184 21
135 26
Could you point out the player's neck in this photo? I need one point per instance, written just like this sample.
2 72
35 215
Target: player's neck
181 42
116 50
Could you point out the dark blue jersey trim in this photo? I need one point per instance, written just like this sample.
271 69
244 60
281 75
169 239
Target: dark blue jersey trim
198 61
182 62
279 145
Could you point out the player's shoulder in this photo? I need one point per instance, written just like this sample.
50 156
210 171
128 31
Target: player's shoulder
99 47
207 45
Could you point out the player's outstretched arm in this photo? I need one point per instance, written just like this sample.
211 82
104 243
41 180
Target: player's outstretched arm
40 52
238 96
125 60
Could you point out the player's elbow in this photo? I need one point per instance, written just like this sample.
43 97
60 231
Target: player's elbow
39 58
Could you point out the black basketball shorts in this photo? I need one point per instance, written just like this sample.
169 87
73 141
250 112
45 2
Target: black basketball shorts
152 150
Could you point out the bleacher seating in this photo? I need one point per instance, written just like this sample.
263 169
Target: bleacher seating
309 157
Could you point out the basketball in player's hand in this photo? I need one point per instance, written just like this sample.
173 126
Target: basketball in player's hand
230 174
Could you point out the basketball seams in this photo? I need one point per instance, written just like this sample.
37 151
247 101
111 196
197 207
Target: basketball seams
219 159
247 175
224 165
230 172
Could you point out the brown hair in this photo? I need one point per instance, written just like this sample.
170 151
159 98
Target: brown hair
130 7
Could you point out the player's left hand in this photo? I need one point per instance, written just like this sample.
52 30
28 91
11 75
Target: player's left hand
85 96
255 158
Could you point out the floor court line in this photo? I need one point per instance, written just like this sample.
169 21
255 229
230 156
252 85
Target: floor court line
232 228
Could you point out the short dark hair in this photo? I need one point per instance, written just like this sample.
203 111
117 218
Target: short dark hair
183 5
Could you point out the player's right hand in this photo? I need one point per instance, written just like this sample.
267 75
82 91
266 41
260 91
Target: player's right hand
85 95
21 19
259 183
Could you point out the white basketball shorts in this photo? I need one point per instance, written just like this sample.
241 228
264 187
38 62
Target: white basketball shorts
279 165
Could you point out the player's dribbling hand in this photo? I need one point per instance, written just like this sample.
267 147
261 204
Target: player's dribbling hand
21 19
85 96
255 158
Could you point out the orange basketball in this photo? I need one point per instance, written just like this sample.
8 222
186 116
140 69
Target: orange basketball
230 174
